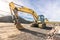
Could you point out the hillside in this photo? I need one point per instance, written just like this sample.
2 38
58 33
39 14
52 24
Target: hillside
9 19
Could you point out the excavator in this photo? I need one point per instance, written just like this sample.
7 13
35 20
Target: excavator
38 19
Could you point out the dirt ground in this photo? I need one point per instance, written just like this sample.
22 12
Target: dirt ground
8 31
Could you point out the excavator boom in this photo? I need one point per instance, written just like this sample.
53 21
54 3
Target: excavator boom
24 9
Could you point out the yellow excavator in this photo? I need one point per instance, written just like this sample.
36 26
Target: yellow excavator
38 20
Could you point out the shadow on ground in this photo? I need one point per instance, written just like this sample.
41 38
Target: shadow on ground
8 19
34 33
47 28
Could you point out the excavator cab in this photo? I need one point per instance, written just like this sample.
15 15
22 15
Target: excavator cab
41 18
41 21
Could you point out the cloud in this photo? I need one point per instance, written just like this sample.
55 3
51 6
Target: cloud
53 11
49 8
4 7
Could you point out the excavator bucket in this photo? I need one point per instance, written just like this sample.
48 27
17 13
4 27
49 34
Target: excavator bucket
19 26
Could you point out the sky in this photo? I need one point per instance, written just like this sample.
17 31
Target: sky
49 8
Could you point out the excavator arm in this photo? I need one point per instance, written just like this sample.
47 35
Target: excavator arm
23 9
